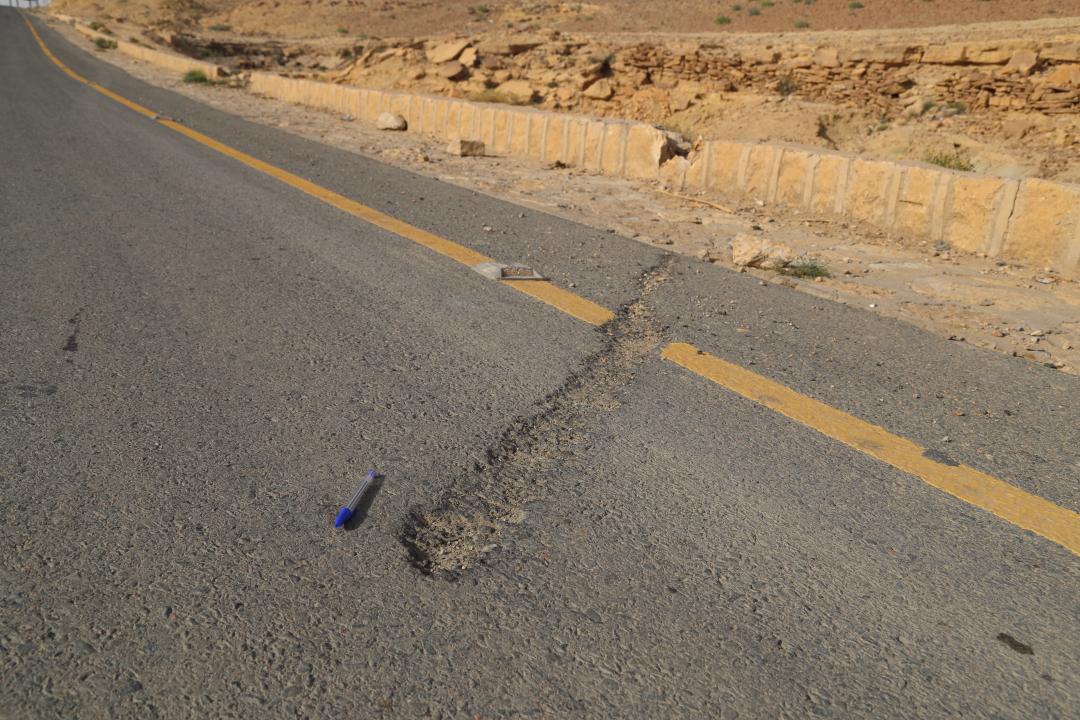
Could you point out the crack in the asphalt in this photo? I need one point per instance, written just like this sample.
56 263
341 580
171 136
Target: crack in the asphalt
478 509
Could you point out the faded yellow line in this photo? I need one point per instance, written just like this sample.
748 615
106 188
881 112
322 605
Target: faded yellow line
1008 502
564 300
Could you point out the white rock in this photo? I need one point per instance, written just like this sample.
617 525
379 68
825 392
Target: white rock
391 121
759 252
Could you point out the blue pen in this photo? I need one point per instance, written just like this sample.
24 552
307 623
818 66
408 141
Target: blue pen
347 512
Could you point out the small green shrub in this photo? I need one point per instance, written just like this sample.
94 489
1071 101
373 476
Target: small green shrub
343 31
805 269
953 161
768 3
723 20
221 27
956 106
802 24
95 25
195 76
736 8
855 5
927 106
787 85
104 44
753 12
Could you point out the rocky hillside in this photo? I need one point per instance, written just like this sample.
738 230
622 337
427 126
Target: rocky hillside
315 18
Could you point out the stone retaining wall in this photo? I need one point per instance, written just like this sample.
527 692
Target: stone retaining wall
1031 221
170 61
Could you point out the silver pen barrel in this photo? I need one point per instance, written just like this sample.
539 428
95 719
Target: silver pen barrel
355 501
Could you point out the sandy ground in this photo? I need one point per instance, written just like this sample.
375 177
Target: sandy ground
1024 311
315 18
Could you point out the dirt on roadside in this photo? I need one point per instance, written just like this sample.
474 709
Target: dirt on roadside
1023 311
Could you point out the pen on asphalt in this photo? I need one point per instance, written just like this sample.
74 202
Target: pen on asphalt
347 512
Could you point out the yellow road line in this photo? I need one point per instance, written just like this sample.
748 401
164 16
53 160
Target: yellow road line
984 491
564 300
568 302
968 484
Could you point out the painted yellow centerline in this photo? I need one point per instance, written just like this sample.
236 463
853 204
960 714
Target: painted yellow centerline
972 486
968 484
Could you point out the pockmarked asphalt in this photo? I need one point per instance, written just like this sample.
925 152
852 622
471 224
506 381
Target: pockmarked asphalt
794 507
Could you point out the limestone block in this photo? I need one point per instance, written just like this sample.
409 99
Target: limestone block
970 212
1045 226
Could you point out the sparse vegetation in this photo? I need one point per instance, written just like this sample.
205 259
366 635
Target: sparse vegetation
95 25
802 24
479 10
736 8
221 27
927 106
955 160
807 268
753 11
787 85
343 31
855 5
723 20
958 108
196 76
104 44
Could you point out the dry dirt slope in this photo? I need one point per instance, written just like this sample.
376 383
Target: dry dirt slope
307 18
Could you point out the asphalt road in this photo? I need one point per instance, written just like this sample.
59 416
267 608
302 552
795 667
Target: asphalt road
199 362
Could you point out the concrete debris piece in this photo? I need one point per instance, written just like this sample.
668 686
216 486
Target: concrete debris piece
759 252
520 272
501 271
447 52
391 121
466 148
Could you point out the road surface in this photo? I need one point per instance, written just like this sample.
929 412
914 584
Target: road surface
199 361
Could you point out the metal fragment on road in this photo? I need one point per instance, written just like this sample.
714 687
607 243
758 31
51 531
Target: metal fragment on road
514 271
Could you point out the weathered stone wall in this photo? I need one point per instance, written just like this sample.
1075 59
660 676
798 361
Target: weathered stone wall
1042 76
